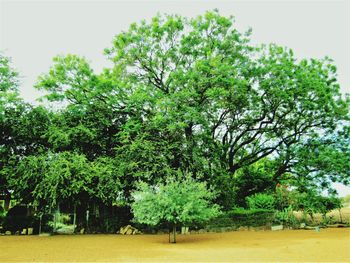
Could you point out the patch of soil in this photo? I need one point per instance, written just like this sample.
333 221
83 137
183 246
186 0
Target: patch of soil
289 245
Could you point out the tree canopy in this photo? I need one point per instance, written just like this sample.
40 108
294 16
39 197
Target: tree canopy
182 95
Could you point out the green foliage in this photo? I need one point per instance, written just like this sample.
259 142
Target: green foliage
182 94
11 110
243 217
311 202
282 197
286 217
68 79
183 201
2 215
9 83
200 86
253 179
53 178
59 221
322 160
261 201
16 219
252 217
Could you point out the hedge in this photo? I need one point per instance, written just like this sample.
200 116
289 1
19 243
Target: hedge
243 217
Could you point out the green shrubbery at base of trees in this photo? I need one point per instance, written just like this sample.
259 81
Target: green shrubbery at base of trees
243 217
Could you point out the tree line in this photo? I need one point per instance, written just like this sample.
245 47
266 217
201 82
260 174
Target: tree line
183 96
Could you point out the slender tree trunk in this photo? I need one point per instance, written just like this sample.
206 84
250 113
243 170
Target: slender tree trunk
7 201
341 218
57 212
172 235
312 216
87 220
74 218
55 221
41 217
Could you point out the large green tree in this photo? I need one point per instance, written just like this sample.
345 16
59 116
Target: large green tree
194 95
222 103
11 110
51 179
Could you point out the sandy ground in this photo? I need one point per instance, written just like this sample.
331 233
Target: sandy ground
289 245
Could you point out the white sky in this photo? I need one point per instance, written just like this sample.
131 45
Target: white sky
33 32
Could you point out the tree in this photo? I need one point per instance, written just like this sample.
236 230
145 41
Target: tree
198 82
11 109
89 115
194 95
56 178
51 179
175 202
22 127
9 83
23 133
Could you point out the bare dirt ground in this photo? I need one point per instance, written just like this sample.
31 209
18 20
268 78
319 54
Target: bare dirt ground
328 245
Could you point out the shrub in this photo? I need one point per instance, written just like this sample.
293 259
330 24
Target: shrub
243 217
312 202
286 217
45 223
2 215
282 197
17 219
252 217
261 201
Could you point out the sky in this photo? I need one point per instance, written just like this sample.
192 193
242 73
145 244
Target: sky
33 32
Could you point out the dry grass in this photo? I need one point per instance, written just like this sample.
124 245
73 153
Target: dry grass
343 216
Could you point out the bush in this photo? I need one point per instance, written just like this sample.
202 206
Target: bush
286 217
2 215
45 223
243 217
252 217
261 201
17 219
312 202
282 197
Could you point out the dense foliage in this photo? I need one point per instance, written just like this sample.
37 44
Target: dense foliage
180 201
239 217
189 96
261 201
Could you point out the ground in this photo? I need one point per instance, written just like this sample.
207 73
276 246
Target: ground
288 245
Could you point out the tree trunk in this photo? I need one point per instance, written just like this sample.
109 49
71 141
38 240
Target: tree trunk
74 218
57 214
341 218
40 218
172 235
7 201
87 220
